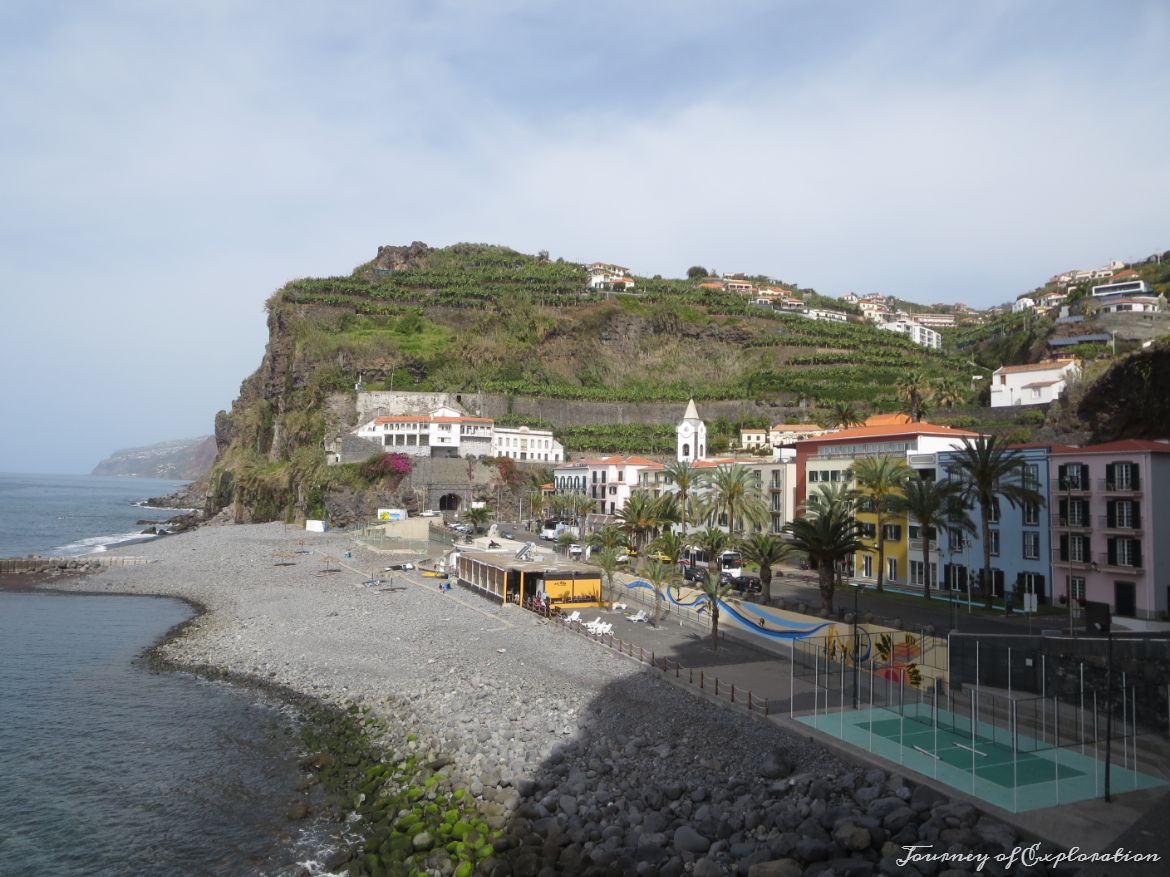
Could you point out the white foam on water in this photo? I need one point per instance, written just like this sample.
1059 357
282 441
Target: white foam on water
96 544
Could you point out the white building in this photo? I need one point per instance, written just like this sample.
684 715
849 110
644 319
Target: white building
828 316
916 333
691 435
935 321
526 443
753 439
1144 304
606 480
445 432
604 275
1023 303
1035 384
788 433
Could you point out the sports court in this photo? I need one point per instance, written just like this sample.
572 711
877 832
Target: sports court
1017 751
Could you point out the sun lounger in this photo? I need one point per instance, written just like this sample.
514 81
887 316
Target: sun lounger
575 615
639 616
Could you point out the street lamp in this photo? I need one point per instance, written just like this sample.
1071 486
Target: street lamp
857 589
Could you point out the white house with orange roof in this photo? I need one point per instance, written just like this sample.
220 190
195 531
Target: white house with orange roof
445 432
752 438
1035 384
606 480
526 443
605 275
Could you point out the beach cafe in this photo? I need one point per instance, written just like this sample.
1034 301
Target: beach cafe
558 584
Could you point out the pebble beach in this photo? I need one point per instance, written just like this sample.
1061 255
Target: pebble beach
578 760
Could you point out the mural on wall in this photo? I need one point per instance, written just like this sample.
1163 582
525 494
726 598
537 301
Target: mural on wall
895 655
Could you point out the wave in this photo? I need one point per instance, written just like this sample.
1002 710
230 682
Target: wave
145 504
96 544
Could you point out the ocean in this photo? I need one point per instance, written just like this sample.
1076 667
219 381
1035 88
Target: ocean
109 768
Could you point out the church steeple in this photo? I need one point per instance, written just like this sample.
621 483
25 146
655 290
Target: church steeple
691 435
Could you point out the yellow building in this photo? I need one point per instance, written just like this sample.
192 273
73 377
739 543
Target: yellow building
559 583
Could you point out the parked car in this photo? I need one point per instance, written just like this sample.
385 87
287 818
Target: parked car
658 556
576 550
748 584
696 574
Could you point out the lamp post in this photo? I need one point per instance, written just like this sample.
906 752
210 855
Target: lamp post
857 588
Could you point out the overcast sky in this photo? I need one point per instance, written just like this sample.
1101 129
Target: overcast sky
165 166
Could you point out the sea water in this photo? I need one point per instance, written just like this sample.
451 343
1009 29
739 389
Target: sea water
107 768
75 514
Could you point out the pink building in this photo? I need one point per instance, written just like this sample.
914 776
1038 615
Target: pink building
1109 503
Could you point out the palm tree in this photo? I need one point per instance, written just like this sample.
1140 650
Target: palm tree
989 469
828 534
687 480
665 512
477 516
843 415
607 559
914 389
766 551
949 392
879 480
537 504
609 537
637 518
714 542
736 491
659 576
672 545
581 506
934 505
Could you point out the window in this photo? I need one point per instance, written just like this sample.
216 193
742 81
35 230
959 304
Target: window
1121 476
957 539
1031 545
1031 513
814 476
892 568
1078 549
867 566
1125 552
1073 476
1076 587
993 512
1074 513
916 572
868 531
994 542
892 532
1032 476
915 532
775 478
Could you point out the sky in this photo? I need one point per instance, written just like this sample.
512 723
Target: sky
164 167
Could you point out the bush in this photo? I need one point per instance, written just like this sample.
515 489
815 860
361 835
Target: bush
394 466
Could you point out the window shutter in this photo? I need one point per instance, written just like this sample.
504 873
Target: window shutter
1063 511
1137 516
1135 475
1110 475
1136 545
1084 476
1112 543
1062 476
1110 511
1064 546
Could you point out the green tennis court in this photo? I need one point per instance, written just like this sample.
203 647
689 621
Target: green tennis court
1004 767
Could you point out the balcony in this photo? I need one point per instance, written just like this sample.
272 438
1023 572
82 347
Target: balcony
1132 565
1127 487
1084 561
1129 526
1075 522
1070 485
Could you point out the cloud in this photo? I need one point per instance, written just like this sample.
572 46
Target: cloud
171 166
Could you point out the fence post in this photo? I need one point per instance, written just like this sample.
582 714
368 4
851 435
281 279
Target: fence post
733 692
749 700
692 672
678 666
641 654
702 678
716 686
653 662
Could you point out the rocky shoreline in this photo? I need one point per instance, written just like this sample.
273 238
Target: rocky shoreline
481 739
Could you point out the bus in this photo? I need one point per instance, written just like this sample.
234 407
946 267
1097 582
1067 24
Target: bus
730 561
552 528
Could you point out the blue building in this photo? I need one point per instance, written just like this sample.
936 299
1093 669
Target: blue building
1020 543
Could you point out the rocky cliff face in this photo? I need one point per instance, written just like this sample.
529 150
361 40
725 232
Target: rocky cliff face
1130 399
183 459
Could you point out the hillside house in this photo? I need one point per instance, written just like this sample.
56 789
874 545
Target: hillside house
744 287
1035 384
604 275
526 443
918 334
445 432
753 439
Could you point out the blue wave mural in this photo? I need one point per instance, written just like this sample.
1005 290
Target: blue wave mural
760 621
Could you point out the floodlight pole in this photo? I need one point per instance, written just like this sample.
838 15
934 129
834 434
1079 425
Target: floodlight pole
857 586
1108 706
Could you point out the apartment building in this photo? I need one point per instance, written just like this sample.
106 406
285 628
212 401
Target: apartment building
445 432
1111 501
526 443
607 480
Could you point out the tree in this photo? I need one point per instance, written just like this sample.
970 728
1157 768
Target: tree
582 505
637 518
828 533
736 491
843 415
697 272
714 541
687 480
477 516
659 575
765 550
672 545
949 392
989 470
607 559
880 481
934 504
609 537
914 390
